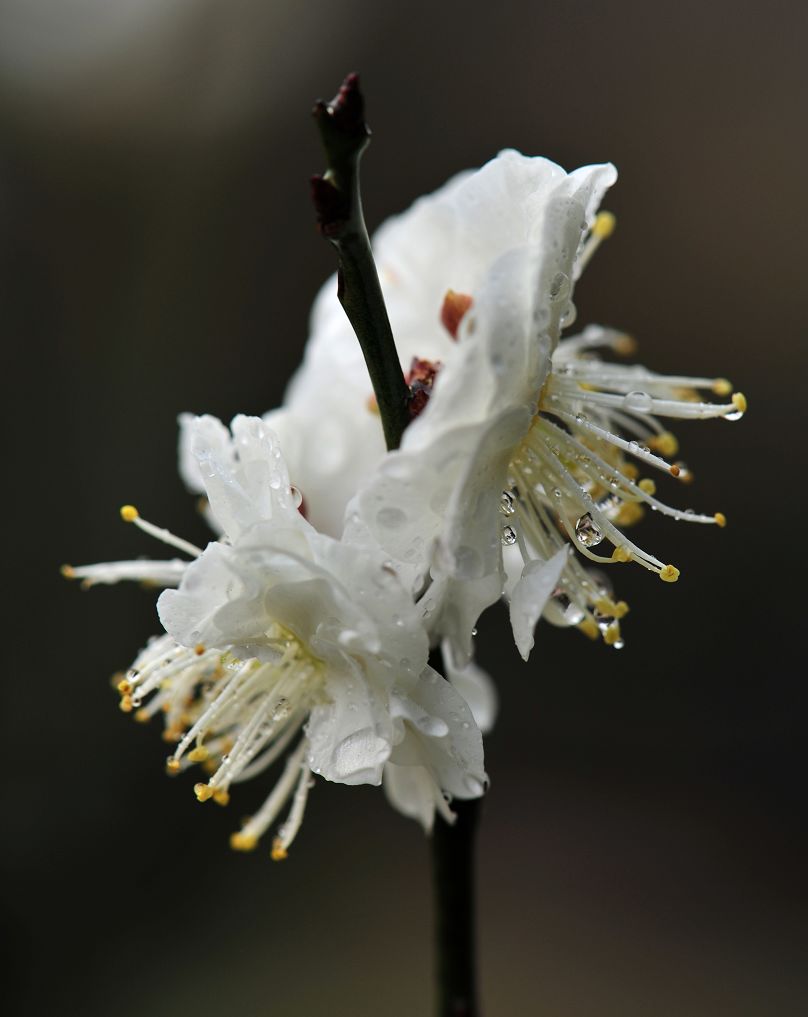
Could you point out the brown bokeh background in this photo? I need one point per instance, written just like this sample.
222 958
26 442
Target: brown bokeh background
643 844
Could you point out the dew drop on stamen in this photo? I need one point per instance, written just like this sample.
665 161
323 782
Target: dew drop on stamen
506 504
508 536
634 447
560 610
586 531
639 402
559 287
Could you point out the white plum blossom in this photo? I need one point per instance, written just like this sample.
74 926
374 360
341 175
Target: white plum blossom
529 444
280 639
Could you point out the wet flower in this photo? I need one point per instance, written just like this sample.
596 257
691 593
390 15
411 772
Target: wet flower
281 641
529 445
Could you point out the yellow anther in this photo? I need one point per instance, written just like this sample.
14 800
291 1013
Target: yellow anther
210 766
675 470
669 574
142 715
625 345
203 792
666 444
621 554
171 734
68 571
647 485
612 634
243 841
606 606
278 852
126 704
739 401
124 686
199 754
129 513
373 405
172 765
221 796
199 649
630 470
720 519
722 387
589 628
604 225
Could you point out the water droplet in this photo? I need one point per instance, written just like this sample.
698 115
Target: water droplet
282 709
391 517
560 610
508 536
733 416
603 621
634 447
556 492
618 644
586 531
474 631
467 563
559 287
506 504
581 418
297 497
638 402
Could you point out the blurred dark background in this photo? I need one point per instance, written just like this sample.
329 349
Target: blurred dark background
643 844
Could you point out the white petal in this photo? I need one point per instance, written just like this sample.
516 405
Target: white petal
245 477
351 737
454 758
530 594
413 792
475 686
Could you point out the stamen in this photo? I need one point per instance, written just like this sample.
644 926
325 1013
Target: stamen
257 824
290 828
130 514
602 228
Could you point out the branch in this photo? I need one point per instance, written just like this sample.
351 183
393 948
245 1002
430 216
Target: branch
338 206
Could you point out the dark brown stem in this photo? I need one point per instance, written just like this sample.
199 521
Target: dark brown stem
338 205
453 873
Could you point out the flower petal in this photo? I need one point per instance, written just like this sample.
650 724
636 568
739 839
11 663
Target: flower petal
531 593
